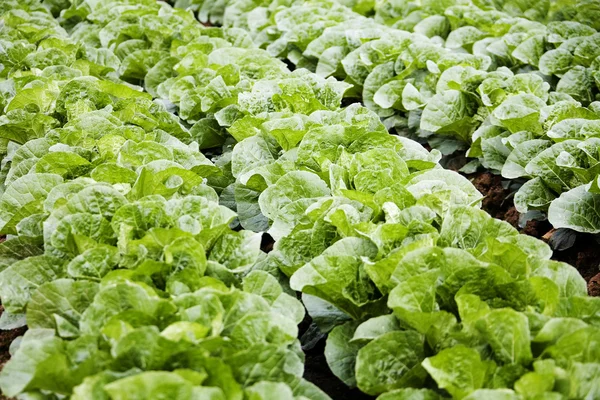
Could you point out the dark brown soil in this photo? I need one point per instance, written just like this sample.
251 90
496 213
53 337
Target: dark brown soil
512 216
594 285
536 228
497 200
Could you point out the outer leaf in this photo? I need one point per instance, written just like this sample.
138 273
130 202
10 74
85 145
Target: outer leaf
577 209
389 362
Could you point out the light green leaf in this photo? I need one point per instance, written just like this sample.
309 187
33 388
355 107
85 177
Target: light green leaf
459 370
389 362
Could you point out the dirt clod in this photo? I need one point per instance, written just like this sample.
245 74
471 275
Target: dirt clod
536 228
495 199
594 285
512 216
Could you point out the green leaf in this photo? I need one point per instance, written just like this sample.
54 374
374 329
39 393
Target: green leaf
466 228
40 363
507 332
137 64
576 209
375 327
19 281
414 302
269 391
238 251
578 83
520 112
59 305
459 370
389 362
150 384
585 376
337 275
516 162
24 197
492 394
568 280
410 394
293 186
341 353
265 327
578 346
265 362
450 112
534 195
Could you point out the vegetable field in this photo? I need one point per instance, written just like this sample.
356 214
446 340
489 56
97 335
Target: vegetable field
300 199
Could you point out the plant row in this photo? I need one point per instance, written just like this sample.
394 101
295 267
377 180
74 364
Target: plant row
135 258
119 257
514 82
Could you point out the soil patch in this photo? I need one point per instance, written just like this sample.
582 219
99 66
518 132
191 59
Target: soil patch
497 200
